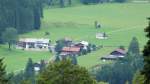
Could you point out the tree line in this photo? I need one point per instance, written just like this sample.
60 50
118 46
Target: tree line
23 15
62 72
122 70
64 3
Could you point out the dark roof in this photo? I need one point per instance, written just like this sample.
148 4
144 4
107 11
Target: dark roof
115 56
79 45
37 65
120 51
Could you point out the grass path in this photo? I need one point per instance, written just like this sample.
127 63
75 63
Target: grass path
126 29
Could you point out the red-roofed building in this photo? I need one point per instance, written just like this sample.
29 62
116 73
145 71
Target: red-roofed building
68 51
71 49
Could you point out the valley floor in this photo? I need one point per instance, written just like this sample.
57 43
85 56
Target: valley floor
121 22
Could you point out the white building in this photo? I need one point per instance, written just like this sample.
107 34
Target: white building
33 44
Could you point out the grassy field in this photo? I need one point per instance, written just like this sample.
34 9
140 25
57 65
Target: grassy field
16 60
120 21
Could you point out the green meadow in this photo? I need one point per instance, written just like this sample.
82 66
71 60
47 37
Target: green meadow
121 22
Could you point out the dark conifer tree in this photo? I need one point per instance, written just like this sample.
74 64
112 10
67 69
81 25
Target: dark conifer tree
74 60
42 65
3 78
24 15
146 54
62 3
57 58
29 71
134 47
69 2
64 72
37 22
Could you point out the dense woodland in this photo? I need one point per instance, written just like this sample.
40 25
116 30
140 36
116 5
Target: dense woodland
23 15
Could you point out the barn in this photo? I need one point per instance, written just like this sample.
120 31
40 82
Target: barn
116 54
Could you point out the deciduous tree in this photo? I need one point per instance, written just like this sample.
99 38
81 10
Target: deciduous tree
10 36
64 72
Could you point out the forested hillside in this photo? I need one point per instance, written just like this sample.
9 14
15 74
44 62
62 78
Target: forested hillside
23 15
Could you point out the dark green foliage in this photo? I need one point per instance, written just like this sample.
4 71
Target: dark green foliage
29 72
94 47
26 82
74 60
59 47
89 48
92 1
146 54
84 52
120 1
124 69
62 3
117 73
64 72
37 21
18 78
103 73
134 52
59 3
69 2
37 13
24 15
122 47
60 44
27 76
42 65
10 36
3 76
95 24
138 78
134 47
57 58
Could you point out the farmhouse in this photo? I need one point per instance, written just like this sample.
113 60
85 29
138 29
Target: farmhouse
82 45
33 44
68 51
101 36
116 54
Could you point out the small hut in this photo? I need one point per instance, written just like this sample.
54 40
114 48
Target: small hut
101 36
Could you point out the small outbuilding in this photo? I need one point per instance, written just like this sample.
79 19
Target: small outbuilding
101 35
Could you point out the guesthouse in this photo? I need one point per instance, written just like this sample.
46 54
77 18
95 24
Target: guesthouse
33 44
